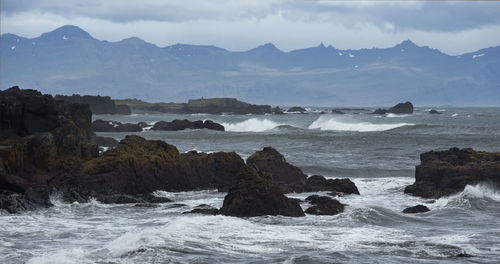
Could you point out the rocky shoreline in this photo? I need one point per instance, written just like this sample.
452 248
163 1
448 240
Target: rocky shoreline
48 146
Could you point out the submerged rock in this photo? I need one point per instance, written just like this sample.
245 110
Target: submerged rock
317 183
114 126
178 124
203 209
337 112
296 109
447 172
416 209
255 194
324 205
432 111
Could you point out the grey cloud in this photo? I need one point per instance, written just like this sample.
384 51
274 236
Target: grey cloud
427 16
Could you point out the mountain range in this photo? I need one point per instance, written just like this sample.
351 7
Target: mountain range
69 60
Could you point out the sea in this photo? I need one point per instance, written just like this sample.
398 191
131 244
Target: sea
378 153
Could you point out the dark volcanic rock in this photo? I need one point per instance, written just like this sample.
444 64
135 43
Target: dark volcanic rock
255 194
317 183
324 205
432 111
203 209
416 209
380 111
15 203
297 109
443 173
125 199
178 124
285 175
107 142
401 108
138 166
114 126
98 104
25 112
277 111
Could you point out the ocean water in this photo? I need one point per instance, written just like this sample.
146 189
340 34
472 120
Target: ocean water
378 153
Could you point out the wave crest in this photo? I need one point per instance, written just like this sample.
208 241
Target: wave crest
331 123
251 125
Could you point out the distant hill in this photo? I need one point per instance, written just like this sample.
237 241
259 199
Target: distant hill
68 60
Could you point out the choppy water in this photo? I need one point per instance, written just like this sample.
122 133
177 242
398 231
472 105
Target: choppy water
378 153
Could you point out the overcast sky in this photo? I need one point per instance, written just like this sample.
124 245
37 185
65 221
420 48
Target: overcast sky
452 27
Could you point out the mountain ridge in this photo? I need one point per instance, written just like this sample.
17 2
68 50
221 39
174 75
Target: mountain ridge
68 60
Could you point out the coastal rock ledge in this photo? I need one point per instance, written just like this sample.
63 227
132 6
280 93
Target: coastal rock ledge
442 173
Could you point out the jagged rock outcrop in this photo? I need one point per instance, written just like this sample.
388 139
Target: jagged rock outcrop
42 140
115 126
285 175
416 209
290 178
178 124
401 108
98 104
255 194
138 166
324 205
447 172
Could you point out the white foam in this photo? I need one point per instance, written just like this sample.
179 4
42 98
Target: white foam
477 56
462 199
331 123
391 115
251 125
455 114
65 256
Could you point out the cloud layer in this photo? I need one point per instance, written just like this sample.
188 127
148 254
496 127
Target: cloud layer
453 27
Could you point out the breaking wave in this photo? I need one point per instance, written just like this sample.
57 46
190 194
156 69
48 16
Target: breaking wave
251 125
330 123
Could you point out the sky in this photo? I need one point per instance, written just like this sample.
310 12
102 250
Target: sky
454 27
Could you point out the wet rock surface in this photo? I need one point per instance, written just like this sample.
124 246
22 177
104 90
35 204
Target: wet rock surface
447 172
324 205
255 194
416 209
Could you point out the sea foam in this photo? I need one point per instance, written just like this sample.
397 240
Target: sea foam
251 125
332 123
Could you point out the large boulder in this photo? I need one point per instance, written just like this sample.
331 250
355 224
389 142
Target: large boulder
447 172
114 126
255 194
285 175
138 166
324 205
401 108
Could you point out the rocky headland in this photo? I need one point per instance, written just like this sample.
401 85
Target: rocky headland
98 104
